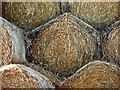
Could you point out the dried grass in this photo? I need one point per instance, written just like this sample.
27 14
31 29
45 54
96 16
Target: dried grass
95 74
64 45
29 15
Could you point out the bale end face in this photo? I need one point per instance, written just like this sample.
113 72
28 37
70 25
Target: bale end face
64 45
20 76
98 14
5 47
95 74
29 15
12 49
111 44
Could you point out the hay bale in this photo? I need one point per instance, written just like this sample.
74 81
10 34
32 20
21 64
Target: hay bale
5 46
97 74
29 15
64 44
110 45
12 48
20 76
97 14
46 73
